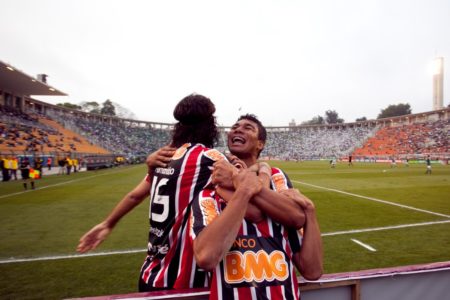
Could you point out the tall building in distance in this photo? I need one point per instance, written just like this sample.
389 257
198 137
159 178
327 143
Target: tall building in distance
438 83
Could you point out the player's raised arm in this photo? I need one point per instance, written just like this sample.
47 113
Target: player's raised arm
309 260
101 231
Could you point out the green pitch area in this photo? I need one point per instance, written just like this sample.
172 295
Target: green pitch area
371 216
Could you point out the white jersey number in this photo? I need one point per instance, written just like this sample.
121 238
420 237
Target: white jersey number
159 200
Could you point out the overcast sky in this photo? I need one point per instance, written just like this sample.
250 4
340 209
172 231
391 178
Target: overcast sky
280 60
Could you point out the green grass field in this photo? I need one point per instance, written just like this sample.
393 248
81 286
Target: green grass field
39 229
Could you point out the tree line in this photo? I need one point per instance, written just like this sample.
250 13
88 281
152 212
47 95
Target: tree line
332 117
107 108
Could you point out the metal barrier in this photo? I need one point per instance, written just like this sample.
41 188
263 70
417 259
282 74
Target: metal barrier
417 282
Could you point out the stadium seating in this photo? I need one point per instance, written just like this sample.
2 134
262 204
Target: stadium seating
129 140
312 143
21 132
63 131
412 139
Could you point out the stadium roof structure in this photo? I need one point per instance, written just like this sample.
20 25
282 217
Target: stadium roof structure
12 79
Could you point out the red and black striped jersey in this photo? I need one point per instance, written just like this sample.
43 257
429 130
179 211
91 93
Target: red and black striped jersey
170 262
259 264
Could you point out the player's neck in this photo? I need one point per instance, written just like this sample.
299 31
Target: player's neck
250 161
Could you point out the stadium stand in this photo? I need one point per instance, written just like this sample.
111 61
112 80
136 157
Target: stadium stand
63 130
116 135
412 139
22 132
309 143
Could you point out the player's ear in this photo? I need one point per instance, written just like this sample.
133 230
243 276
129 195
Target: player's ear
260 145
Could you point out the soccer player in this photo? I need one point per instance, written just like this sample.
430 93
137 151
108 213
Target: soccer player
393 162
25 173
333 163
428 162
172 186
252 260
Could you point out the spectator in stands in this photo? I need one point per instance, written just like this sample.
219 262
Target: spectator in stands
222 251
25 168
169 264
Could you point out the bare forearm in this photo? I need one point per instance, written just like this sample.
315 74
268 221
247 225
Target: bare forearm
127 204
311 253
130 201
280 208
253 213
94 237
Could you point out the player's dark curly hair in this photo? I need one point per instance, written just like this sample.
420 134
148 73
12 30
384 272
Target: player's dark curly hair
262 133
196 122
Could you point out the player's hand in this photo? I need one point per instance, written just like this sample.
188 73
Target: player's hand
264 168
160 158
235 161
94 237
223 173
304 202
247 181
264 173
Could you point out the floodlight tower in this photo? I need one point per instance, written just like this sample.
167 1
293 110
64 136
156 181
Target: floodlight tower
438 83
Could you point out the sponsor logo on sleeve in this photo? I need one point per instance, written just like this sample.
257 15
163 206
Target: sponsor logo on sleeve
214 155
279 182
179 153
209 210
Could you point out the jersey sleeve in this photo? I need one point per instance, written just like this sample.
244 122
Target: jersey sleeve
214 155
204 210
147 177
209 157
279 180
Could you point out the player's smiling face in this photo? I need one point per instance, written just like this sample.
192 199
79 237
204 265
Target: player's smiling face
243 138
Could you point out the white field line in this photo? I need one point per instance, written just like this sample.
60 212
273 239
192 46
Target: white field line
374 199
57 257
60 183
171 296
364 245
334 171
384 228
